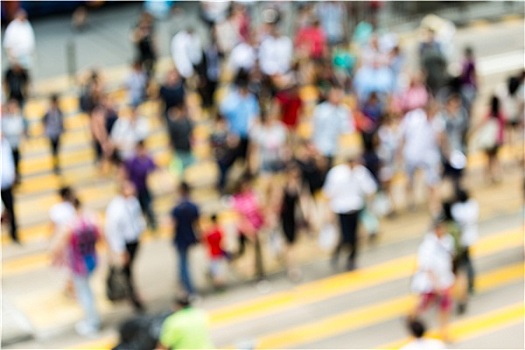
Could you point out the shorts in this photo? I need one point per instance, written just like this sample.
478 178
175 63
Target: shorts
431 172
445 301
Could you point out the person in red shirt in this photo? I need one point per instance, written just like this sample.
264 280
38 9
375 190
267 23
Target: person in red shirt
311 40
213 241
290 105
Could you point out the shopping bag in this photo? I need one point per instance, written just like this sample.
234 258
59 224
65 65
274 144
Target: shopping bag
369 221
276 243
381 205
117 287
328 237
488 135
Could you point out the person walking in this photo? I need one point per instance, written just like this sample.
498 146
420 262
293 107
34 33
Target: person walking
138 169
186 328
124 226
180 132
8 182
185 221
420 342
16 83
348 187
14 128
78 242
54 128
127 132
434 278
19 40
186 51
172 93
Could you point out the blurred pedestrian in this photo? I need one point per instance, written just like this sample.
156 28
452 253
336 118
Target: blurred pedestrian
213 239
172 93
185 222
8 182
227 33
180 131
465 211
334 20
469 79
143 37
209 71
243 55
16 83
138 169
433 62
310 41
415 95
421 137
124 226
186 328
331 119
127 132
290 105
54 128
19 40
275 53
348 187
78 241
250 221
434 278
101 141
91 92
224 146
186 51
136 84
14 129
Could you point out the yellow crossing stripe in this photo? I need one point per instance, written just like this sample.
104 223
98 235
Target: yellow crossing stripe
368 315
476 326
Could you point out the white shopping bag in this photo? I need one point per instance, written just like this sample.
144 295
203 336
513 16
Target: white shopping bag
328 237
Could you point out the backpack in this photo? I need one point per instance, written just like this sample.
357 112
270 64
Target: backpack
83 240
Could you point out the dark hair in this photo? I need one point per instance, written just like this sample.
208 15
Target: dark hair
184 187
54 98
65 192
469 51
447 211
141 144
242 79
213 218
182 300
513 84
417 328
494 106
462 195
77 204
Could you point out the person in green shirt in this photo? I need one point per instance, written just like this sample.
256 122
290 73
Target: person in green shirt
186 328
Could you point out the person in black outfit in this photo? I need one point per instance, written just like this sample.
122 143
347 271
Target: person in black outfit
172 93
208 71
16 84
143 37
54 127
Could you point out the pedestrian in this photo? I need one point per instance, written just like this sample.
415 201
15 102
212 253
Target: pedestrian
186 51
454 143
78 242
19 40
331 119
124 226
415 95
127 132
250 221
420 342
143 37
60 215
16 83
433 63
491 138
240 108
213 239
227 33
186 328
243 55
91 92
465 211
136 85
290 105
348 187
8 182
421 136
310 41
138 169
224 145
469 79
275 53
291 210
101 140
185 222
180 131
334 20
14 129
54 128
209 71
434 278
172 93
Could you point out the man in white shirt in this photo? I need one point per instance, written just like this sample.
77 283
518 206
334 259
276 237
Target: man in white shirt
127 132
8 181
421 138
186 51
434 278
331 119
347 188
275 53
124 226
19 40
418 329
243 56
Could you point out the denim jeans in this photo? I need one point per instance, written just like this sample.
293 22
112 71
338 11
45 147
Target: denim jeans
144 198
184 273
87 300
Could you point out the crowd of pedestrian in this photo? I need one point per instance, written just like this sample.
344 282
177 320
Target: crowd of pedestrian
409 120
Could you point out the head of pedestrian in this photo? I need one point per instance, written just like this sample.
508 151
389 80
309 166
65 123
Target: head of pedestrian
181 301
245 183
172 77
439 225
54 100
136 66
127 189
469 52
133 113
66 194
141 150
184 189
335 95
77 204
453 103
353 159
462 195
21 15
417 328
12 106
432 108
242 81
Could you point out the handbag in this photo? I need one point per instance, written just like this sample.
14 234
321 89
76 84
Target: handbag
117 286
488 135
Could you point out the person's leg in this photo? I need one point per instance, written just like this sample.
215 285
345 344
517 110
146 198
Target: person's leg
16 159
145 204
87 302
343 239
224 167
352 221
132 249
470 271
8 200
55 145
259 268
410 171
184 271
445 305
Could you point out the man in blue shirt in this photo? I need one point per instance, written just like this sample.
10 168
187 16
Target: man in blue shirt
185 218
